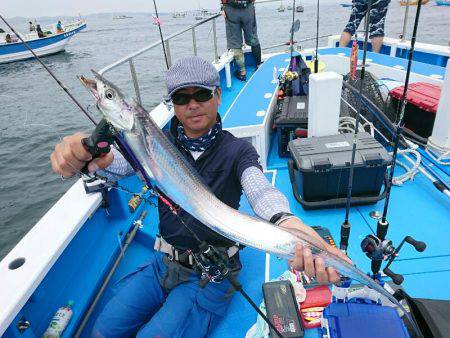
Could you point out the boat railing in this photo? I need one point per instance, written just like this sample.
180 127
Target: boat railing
192 28
296 42
131 57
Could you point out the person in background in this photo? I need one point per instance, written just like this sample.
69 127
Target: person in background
240 17
377 16
31 27
39 31
59 28
8 38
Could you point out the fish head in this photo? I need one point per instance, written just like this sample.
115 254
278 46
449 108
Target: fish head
110 101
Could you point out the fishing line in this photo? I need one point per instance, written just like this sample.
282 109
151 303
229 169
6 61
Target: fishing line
345 227
49 71
160 33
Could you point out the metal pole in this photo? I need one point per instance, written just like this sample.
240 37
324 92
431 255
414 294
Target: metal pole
405 20
194 41
216 54
135 82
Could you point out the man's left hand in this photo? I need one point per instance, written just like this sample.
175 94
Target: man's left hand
304 260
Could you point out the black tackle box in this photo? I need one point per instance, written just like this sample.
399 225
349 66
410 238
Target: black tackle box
291 121
319 170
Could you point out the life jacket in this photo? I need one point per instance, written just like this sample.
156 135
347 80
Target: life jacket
237 3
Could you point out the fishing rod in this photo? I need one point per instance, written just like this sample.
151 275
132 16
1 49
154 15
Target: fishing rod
49 71
316 60
234 282
297 41
383 224
129 238
377 247
345 226
102 128
211 254
160 34
292 31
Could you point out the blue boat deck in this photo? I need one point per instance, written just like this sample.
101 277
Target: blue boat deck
416 209
237 110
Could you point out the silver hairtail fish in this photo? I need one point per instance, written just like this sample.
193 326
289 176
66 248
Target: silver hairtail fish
161 162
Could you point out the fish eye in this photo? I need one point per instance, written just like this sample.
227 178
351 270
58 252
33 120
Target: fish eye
109 94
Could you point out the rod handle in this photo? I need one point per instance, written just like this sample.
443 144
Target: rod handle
418 245
99 143
396 278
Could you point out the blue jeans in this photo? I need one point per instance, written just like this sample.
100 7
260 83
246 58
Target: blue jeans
163 299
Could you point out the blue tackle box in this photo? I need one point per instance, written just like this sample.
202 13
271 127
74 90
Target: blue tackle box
356 320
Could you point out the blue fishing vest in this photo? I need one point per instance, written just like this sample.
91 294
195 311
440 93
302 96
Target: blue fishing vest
221 167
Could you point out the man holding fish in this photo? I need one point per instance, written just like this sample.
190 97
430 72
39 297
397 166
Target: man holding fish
163 297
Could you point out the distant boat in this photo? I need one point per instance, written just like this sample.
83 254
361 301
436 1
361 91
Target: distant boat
282 8
119 17
177 15
299 9
442 2
50 44
289 7
413 2
346 5
203 14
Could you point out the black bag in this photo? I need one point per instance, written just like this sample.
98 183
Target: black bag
431 315
303 79
300 86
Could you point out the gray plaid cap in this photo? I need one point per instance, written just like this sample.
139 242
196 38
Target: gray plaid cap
191 72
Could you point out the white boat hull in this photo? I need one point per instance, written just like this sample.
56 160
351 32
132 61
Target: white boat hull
42 47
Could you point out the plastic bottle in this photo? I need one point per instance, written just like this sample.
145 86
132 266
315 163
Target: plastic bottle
59 321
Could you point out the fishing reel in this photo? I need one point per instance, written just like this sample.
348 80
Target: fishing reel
285 82
98 145
288 77
379 250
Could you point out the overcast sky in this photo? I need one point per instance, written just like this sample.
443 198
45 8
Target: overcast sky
38 8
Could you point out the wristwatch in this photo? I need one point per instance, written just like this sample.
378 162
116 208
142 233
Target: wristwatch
280 217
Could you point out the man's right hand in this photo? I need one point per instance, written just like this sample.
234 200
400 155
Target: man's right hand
70 156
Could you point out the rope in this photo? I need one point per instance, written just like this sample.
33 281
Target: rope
439 152
347 124
411 172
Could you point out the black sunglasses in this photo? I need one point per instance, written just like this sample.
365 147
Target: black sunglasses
201 95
